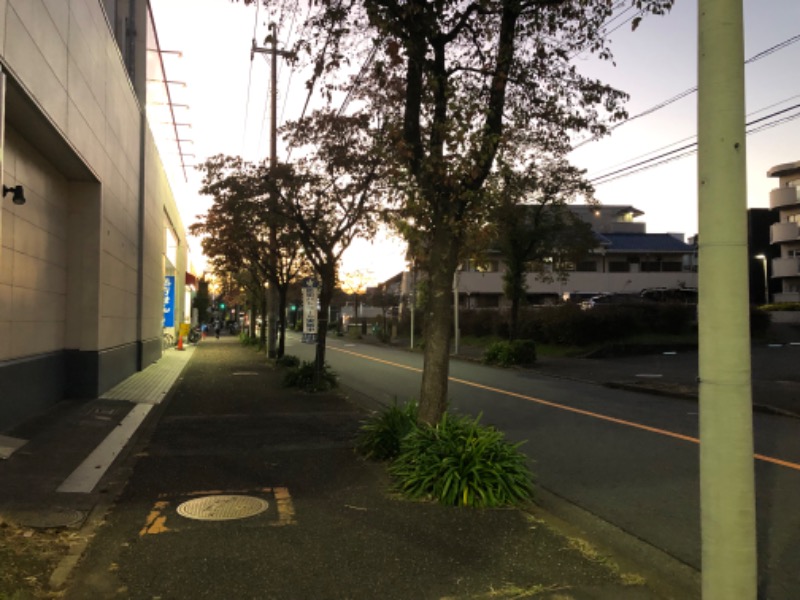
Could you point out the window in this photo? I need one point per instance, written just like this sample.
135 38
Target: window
651 266
482 266
616 266
586 266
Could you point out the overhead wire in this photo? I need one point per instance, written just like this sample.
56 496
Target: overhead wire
249 81
690 91
689 149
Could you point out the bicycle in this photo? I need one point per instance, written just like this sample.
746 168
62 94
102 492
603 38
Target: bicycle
167 340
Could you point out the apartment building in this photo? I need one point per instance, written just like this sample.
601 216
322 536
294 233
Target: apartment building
92 248
626 260
785 234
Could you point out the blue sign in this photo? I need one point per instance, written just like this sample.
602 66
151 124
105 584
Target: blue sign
169 301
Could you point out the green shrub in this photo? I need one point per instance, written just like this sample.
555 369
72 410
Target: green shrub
287 360
303 377
461 463
246 340
507 354
781 306
379 436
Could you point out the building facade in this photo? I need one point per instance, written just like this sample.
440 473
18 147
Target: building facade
626 260
785 234
87 259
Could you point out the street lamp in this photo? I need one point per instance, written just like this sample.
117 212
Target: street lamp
763 259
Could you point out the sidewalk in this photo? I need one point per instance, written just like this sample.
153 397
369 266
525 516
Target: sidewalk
52 479
331 529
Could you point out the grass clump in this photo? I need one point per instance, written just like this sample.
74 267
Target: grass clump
508 354
380 436
457 462
304 377
288 361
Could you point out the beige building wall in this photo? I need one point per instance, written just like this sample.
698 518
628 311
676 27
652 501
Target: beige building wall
82 261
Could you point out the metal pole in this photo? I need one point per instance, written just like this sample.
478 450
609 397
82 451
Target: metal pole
455 312
727 487
413 299
273 163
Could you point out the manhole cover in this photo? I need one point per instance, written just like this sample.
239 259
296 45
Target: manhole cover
48 518
222 508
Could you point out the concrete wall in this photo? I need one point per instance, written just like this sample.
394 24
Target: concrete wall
82 262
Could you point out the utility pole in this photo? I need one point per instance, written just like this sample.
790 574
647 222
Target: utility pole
272 291
727 480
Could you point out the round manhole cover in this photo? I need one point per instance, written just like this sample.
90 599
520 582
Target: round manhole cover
222 508
48 519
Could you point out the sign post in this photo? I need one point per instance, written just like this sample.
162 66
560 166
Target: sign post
310 316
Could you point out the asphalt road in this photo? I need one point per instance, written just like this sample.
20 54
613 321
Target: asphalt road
629 458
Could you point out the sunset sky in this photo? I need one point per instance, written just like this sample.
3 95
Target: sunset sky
227 96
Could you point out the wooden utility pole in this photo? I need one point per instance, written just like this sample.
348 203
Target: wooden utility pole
727 486
272 292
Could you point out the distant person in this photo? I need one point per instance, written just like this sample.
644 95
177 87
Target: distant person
217 328
204 329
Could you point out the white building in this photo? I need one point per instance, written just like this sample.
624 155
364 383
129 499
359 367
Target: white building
626 260
84 261
786 232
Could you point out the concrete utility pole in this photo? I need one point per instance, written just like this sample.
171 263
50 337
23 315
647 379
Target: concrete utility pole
727 487
272 291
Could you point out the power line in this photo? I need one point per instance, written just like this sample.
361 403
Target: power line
249 80
689 149
692 90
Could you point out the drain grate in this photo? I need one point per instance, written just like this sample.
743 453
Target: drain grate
222 508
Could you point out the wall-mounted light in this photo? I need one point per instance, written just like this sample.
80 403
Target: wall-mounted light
19 195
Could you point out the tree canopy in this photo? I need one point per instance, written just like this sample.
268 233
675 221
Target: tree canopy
453 83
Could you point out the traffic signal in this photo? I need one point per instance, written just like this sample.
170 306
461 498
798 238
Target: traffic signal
222 306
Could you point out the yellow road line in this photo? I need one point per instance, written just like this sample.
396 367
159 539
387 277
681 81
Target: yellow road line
587 413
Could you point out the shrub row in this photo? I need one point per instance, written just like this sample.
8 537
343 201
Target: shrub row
507 354
567 324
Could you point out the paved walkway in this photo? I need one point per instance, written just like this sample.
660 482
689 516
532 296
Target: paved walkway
55 477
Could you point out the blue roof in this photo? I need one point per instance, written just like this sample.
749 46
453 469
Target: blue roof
644 242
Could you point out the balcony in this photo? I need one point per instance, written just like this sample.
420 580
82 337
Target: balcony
784 196
784 232
786 267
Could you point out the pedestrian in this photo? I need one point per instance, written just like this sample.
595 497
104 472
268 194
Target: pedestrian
204 329
217 327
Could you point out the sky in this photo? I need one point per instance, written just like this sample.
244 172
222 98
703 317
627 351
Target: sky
227 97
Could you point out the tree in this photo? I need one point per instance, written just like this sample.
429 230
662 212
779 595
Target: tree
329 195
237 230
532 224
450 80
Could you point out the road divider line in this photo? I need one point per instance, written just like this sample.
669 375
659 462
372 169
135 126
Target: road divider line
572 409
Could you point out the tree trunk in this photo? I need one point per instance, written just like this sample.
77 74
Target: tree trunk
517 289
262 344
283 292
438 328
328 277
